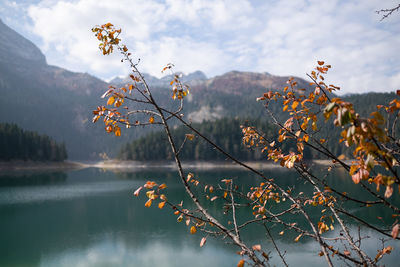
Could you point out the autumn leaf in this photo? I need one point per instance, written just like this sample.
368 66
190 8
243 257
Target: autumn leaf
189 176
117 131
257 247
240 263
347 253
298 238
161 205
190 136
295 104
162 186
151 120
193 230
148 203
213 198
395 231
136 193
203 241
150 184
111 100
388 191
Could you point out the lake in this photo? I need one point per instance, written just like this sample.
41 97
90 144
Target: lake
90 217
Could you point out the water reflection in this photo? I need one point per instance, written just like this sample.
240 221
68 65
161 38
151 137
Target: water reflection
89 218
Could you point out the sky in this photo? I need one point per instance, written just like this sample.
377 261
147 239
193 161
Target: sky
281 37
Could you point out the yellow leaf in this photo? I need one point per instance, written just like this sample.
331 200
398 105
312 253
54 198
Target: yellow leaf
240 263
180 218
225 194
151 119
111 101
190 136
193 230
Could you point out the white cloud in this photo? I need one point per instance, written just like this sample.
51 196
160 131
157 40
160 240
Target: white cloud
281 37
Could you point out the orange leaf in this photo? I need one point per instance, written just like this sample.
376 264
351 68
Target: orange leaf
150 184
295 104
162 186
117 131
151 119
111 101
148 203
193 230
257 247
320 63
161 205
240 263
190 136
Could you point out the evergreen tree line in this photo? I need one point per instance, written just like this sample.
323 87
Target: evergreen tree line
224 132
18 144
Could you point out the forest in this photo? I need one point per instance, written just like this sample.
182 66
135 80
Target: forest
19 144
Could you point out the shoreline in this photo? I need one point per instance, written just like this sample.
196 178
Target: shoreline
202 165
20 165
139 165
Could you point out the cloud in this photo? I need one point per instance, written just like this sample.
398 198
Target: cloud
281 37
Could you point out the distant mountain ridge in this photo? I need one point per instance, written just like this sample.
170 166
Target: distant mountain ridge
235 82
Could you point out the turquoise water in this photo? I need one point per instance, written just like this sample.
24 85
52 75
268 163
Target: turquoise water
90 218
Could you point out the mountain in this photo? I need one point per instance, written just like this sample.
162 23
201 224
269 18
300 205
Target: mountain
191 78
49 99
59 103
227 95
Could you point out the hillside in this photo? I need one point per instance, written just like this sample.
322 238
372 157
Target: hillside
18 144
49 99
